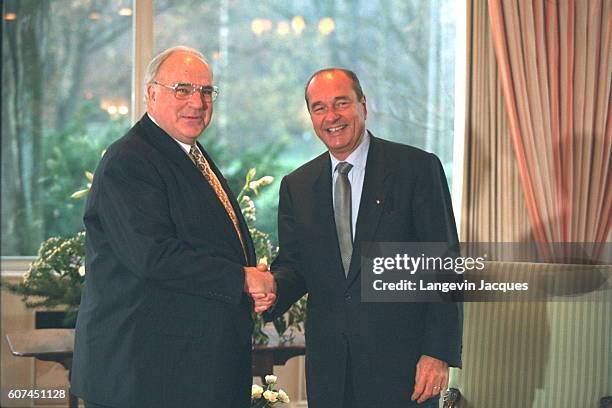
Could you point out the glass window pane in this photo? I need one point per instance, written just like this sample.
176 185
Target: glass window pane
66 77
263 53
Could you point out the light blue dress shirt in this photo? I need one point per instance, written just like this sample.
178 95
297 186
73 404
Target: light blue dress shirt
358 159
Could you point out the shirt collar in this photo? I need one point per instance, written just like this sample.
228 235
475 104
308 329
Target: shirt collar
358 157
184 146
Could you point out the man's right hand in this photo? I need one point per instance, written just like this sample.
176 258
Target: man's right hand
260 284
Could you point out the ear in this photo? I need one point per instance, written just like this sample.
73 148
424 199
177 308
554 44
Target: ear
151 94
365 108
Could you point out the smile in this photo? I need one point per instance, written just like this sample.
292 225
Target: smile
336 128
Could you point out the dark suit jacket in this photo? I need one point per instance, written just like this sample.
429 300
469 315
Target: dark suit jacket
163 320
385 339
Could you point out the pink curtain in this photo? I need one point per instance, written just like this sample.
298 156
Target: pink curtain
554 60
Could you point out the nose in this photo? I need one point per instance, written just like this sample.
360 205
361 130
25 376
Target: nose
196 100
331 115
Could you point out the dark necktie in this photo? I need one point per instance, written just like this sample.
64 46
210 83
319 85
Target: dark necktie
202 164
342 214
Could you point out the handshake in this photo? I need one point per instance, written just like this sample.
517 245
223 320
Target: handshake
259 283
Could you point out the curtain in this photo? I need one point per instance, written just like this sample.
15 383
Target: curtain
555 71
517 354
493 207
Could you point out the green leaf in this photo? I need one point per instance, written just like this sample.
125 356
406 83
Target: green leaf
250 174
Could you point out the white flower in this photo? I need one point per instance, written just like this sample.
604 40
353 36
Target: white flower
262 182
271 379
263 260
256 391
80 193
249 205
271 396
248 208
265 181
82 270
247 200
283 397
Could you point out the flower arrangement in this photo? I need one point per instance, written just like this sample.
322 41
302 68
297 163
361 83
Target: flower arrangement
56 276
267 396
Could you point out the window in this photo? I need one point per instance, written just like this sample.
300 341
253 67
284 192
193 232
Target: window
67 83
262 54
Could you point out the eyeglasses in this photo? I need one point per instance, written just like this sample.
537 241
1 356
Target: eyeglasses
184 90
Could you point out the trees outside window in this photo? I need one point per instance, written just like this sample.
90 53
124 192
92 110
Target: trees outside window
66 83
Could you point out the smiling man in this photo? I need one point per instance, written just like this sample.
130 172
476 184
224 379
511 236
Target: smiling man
364 189
165 315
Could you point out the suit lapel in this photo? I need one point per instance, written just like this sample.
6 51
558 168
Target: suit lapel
370 205
162 141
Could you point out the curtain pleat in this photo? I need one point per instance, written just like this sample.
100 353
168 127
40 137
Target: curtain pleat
554 63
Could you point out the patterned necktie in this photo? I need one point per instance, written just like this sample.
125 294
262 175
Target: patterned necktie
202 164
342 214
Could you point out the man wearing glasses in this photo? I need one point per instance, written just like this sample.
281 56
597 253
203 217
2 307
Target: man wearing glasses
165 316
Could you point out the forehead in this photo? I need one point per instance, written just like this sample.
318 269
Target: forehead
330 85
186 67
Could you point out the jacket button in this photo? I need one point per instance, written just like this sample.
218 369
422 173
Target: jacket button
347 296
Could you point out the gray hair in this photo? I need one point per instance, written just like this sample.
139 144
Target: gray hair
158 60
